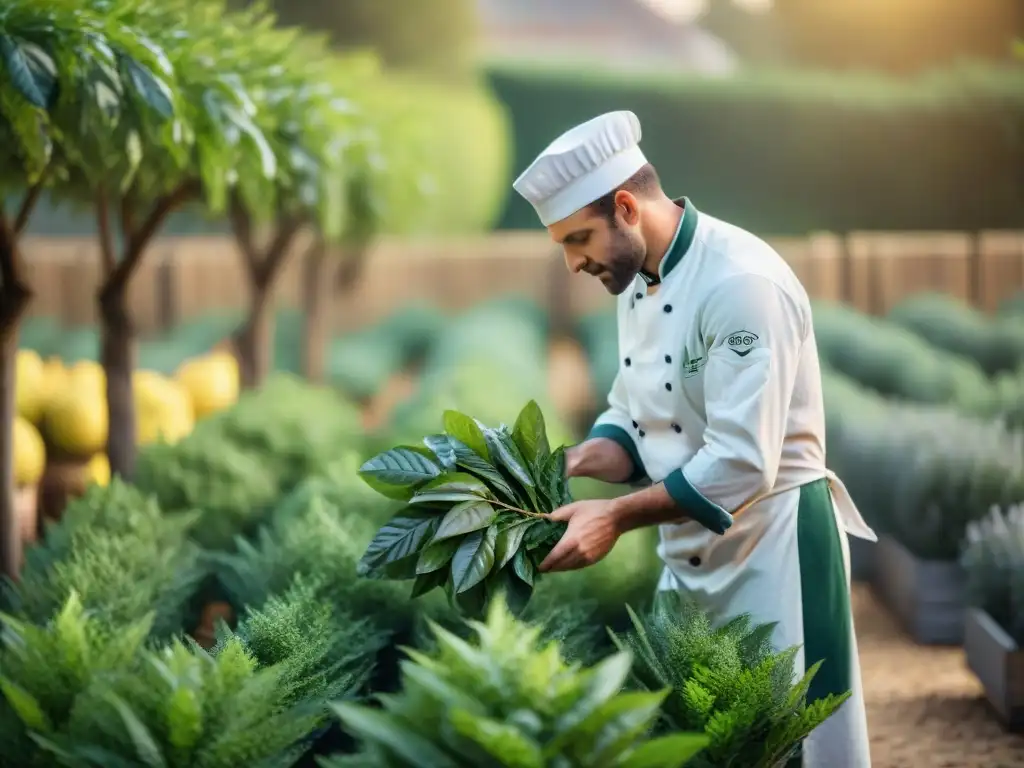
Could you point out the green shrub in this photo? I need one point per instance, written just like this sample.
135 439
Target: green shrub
995 344
120 555
506 700
993 559
727 682
459 137
237 464
828 135
920 473
45 668
320 653
78 692
896 362
318 533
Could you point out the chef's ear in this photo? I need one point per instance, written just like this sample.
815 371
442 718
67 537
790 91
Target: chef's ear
627 207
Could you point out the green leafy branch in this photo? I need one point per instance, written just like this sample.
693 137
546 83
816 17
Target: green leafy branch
477 515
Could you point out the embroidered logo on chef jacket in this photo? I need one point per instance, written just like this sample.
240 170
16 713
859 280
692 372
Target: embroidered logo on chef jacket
741 342
692 365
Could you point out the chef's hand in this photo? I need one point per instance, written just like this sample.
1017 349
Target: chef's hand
599 458
592 532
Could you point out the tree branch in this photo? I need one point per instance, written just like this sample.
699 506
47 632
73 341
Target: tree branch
28 203
137 240
273 258
106 237
14 293
241 227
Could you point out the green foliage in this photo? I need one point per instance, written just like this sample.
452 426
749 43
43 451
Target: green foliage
831 133
79 692
320 653
996 344
727 682
181 706
237 464
438 40
318 533
506 700
475 519
120 555
993 559
922 473
467 370
45 668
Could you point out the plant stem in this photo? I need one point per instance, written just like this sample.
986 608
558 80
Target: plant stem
510 508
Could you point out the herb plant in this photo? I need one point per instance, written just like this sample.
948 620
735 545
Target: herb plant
475 521
729 683
506 700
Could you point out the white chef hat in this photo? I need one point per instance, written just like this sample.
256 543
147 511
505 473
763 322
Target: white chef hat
582 165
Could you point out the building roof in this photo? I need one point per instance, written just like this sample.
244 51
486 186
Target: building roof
628 33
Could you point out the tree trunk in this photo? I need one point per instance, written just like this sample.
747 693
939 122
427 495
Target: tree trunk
117 355
14 304
254 340
15 297
316 293
117 334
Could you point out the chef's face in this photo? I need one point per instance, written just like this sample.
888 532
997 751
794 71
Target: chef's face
610 248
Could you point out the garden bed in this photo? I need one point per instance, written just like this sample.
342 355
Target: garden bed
928 597
998 662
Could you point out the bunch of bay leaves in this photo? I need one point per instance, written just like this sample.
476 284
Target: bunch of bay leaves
475 522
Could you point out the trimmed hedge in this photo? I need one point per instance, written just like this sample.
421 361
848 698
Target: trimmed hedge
787 152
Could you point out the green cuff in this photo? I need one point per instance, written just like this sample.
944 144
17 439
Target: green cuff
696 506
622 437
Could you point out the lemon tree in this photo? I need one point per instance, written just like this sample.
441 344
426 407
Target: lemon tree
68 75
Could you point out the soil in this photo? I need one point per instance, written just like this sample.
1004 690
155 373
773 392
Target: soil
925 708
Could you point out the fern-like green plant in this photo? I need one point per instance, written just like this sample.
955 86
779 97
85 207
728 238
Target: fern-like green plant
503 701
44 669
727 682
318 532
182 707
120 555
321 654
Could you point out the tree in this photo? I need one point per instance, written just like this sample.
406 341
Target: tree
64 69
194 143
310 112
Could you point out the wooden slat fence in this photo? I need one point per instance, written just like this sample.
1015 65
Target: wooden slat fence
183 277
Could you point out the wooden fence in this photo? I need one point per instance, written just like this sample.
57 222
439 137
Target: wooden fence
188 276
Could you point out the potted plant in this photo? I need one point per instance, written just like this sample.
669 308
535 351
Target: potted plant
993 560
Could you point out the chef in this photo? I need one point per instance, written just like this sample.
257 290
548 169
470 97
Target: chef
716 413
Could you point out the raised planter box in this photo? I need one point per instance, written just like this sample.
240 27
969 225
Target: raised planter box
927 596
862 559
998 663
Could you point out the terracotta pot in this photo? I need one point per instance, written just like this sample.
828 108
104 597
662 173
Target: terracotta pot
26 504
206 632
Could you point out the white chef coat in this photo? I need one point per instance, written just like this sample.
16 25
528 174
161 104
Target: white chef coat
718 396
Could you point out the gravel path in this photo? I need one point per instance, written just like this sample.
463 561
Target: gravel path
925 708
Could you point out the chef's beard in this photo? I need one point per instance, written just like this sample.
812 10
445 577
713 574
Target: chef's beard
626 256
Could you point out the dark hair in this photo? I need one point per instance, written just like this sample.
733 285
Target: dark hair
643 183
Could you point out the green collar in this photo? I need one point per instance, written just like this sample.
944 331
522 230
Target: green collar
683 239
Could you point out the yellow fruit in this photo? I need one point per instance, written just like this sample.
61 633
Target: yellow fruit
98 470
86 374
76 421
29 453
163 409
211 381
29 385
